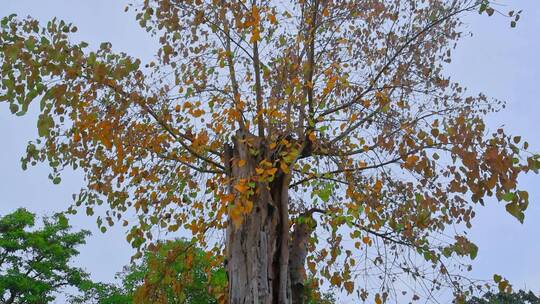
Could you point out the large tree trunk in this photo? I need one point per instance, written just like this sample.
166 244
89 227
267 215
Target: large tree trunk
258 257
297 259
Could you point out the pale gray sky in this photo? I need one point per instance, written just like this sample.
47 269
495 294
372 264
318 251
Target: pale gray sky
497 60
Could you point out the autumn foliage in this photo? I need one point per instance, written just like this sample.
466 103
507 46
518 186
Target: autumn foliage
329 125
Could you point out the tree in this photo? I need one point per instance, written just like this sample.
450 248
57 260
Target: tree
520 297
291 126
34 264
173 272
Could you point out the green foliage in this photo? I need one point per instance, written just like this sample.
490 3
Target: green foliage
34 263
173 271
520 297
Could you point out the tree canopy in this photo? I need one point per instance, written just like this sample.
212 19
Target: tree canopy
519 297
35 261
312 133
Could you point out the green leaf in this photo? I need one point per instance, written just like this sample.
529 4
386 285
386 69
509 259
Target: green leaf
13 108
11 51
325 193
473 251
57 180
30 44
45 123
515 210
508 196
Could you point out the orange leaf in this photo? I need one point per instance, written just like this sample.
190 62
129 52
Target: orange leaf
366 240
378 186
271 171
378 299
242 188
272 18
349 286
411 160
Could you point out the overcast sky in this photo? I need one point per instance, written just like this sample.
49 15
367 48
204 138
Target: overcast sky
499 61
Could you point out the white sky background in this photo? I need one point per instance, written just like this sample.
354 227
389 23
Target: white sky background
502 62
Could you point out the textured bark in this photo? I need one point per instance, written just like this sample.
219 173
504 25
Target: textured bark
257 250
297 261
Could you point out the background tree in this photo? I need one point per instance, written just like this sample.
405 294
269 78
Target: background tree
290 125
173 271
34 262
519 297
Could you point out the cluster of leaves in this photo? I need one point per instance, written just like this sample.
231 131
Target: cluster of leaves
487 7
35 262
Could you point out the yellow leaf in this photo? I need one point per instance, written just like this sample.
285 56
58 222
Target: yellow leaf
248 206
335 280
271 171
312 136
236 216
265 163
241 163
312 267
255 35
259 171
284 167
378 299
